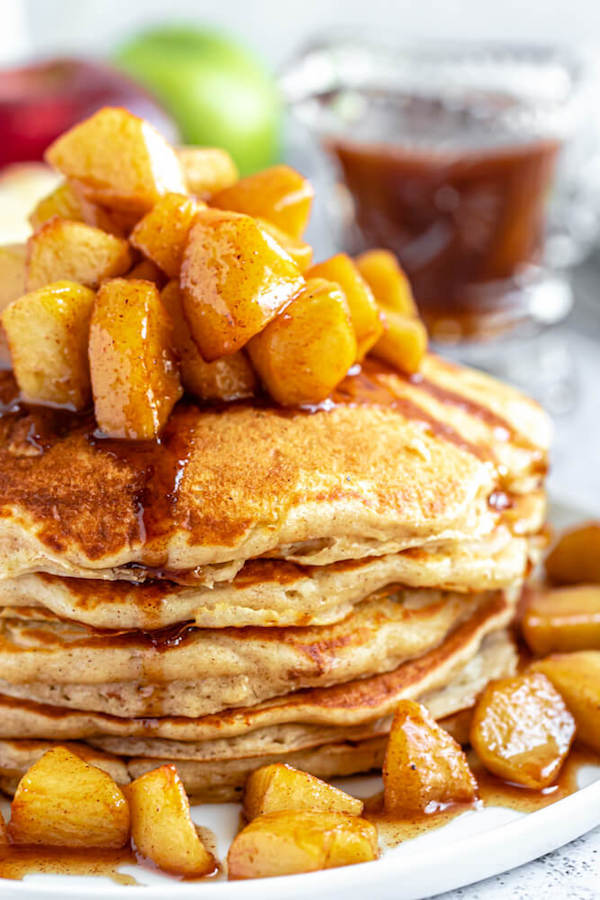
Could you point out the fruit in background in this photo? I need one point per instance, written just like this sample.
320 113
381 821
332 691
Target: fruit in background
216 90
39 102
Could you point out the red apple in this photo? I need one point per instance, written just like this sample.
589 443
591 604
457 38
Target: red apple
40 101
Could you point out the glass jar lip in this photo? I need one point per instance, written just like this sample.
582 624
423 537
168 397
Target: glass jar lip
544 76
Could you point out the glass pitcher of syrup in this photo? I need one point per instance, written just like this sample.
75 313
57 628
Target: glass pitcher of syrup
451 156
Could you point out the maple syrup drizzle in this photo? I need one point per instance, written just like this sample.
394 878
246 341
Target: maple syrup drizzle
161 465
18 861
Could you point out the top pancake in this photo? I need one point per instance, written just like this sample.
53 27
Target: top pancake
389 463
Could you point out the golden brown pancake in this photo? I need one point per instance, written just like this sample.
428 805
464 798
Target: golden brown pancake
459 685
388 464
189 671
351 703
276 592
217 769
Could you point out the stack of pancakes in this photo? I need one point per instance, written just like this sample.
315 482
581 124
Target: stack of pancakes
263 584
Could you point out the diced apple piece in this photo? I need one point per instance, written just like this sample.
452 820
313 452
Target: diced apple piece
576 557
162 829
424 767
12 286
278 786
279 194
576 676
47 332
3 831
403 343
206 170
234 279
135 381
62 202
522 730
120 161
163 232
146 270
63 801
67 201
563 619
303 354
72 251
364 312
228 378
388 281
289 842
12 272
299 250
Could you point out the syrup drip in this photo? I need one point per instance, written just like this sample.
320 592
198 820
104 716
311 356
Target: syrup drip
17 862
162 466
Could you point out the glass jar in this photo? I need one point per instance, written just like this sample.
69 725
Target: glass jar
456 157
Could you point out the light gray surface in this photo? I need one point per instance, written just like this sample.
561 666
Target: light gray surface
572 872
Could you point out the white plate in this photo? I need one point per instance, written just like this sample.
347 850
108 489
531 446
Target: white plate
476 845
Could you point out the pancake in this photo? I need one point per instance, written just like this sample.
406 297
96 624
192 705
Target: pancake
276 592
354 703
389 463
189 671
495 658
218 772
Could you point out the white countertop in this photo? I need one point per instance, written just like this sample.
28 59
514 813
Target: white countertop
571 872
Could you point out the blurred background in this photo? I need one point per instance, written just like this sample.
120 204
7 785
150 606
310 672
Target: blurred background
462 134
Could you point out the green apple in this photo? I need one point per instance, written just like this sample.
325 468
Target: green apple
215 89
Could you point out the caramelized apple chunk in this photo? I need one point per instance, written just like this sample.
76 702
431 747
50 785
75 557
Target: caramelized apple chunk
279 194
120 161
299 250
62 202
3 831
228 378
522 730
562 619
47 332
304 353
135 381
12 272
72 251
576 557
289 842
12 286
234 280
163 232
206 170
278 786
403 343
146 270
67 201
364 312
162 829
577 678
388 281
65 802
424 767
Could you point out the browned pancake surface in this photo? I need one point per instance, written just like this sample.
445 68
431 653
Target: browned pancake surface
389 463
